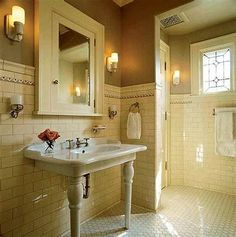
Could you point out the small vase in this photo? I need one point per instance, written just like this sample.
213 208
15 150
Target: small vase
50 146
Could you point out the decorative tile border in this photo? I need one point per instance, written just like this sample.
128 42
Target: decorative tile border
180 102
14 80
181 99
16 73
129 92
138 96
138 91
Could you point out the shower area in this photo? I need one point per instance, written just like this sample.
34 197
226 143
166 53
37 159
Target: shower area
193 42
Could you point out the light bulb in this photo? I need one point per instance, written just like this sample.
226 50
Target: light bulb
176 77
114 57
77 90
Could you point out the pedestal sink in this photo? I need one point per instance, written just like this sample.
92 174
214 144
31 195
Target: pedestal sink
98 155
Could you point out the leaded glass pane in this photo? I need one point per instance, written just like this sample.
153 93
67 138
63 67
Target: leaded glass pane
216 71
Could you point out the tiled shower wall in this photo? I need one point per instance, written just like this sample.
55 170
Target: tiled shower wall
193 159
33 202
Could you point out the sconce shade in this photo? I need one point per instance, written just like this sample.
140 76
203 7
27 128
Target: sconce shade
112 62
176 77
16 100
14 24
113 108
77 91
114 57
18 14
16 105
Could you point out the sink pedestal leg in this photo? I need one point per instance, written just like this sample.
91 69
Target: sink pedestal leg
128 180
75 197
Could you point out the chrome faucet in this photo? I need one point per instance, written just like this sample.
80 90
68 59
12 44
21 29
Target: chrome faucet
71 143
84 142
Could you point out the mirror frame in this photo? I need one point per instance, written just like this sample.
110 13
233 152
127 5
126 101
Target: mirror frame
45 14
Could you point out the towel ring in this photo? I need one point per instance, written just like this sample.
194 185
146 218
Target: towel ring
134 106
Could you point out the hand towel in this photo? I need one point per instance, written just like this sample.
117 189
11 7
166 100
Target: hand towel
225 143
224 127
134 125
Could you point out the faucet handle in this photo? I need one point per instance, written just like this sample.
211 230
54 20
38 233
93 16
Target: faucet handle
86 140
70 141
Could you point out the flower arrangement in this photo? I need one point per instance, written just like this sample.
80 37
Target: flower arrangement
49 137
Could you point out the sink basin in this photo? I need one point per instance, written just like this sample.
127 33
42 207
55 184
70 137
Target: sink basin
99 154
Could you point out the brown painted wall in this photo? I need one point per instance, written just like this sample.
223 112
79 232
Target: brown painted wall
138 39
180 51
104 11
22 52
109 14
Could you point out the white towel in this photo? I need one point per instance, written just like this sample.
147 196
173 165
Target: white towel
224 127
134 126
226 149
225 143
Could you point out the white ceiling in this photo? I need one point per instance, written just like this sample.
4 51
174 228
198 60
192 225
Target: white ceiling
201 14
121 3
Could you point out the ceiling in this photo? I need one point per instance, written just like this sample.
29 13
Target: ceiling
76 54
121 3
201 14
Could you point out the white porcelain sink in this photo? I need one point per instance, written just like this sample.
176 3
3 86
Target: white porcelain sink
98 155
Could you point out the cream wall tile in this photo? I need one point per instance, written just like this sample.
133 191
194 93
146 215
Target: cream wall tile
5 130
143 178
193 159
38 197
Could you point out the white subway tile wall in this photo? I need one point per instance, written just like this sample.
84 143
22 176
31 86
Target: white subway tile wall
144 166
193 159
33 202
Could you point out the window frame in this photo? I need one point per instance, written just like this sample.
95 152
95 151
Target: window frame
196 52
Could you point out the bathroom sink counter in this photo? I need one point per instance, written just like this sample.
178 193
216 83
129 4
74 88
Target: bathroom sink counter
80 161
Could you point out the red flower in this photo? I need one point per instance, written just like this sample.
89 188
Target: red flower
48 135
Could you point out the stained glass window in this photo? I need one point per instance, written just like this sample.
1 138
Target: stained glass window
216 71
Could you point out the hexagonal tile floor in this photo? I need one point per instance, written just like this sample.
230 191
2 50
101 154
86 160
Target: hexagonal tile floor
185 212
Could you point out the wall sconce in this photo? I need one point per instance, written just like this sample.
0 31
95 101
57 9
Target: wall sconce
176 78
16 105
112 62
112 111
77 91
15 24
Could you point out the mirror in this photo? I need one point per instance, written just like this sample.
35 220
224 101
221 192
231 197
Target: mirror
74 66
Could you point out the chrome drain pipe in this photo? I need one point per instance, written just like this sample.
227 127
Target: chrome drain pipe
86 186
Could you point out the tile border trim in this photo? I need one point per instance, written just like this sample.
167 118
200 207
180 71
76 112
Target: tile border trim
129 92
181 99
138 91
18 81
11 71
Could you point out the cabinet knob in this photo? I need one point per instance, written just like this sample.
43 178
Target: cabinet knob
56 82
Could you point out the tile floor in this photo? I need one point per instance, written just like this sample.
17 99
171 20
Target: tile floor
185 212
